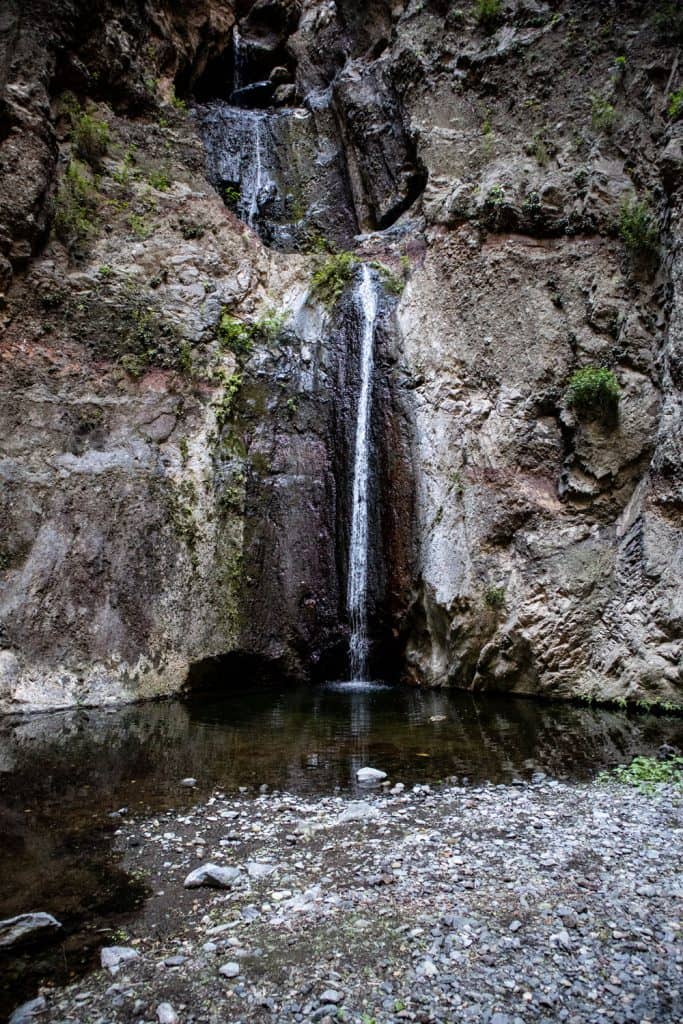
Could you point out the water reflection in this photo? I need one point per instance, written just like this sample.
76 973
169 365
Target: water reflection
62 775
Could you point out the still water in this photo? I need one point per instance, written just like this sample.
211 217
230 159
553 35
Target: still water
63 775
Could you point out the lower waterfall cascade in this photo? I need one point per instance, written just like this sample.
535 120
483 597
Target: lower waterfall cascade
357 589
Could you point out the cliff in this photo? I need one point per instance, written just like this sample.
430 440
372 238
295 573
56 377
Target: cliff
179 203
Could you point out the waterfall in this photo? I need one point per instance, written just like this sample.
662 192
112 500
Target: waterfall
366 298
238 60
257 183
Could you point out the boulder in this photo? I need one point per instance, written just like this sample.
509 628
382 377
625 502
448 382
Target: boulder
112 957
212 876
27 928
370 775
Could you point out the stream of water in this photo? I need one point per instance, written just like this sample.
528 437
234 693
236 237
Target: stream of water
357 595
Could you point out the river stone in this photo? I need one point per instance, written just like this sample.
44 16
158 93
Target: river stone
229 970
211 876
370 775
113 956
257 869
25 927
360 810
166 1014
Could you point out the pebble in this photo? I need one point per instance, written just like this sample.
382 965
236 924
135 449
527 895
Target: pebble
230 970
166 1014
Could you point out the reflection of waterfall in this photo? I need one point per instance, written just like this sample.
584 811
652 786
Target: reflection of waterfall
358 548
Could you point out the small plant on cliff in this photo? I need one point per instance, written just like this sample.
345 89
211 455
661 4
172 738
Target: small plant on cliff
160 180
488 13
675 106
90 138
638 228
225 405
235 335
331 277
495 597
75 207
603 114
593 391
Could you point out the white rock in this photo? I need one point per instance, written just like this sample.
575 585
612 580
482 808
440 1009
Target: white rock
29 1011
370 775
229 970
258 869
212 876
359 810
113 956
166 1014
189 782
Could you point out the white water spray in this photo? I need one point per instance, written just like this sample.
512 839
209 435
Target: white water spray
366 297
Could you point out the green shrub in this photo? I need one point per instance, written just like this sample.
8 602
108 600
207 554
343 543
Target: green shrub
75 207
160 180
225 405
235 335
675 106
488 13
603 114
332 277
139 225
239 337
638 227
495 597
593 391
90 138
645 773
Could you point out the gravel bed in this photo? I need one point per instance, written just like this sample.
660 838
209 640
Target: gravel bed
498 904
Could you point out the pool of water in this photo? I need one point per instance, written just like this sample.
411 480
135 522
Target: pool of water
63 775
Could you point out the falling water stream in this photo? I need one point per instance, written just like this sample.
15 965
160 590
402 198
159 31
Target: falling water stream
357 596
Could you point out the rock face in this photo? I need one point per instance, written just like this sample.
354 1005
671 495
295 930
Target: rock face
178 402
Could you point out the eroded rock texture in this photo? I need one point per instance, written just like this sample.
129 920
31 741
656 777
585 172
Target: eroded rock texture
174 493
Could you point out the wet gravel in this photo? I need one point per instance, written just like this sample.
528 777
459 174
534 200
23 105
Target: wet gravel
496 904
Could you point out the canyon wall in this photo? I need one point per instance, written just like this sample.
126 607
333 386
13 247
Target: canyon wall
178 391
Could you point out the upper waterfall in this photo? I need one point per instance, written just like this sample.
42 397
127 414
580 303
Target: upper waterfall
357 596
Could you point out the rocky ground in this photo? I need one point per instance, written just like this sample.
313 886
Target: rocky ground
500 904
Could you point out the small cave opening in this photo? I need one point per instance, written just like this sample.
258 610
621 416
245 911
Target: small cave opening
222 673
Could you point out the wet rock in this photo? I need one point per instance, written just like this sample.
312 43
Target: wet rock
212 876
27 928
